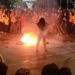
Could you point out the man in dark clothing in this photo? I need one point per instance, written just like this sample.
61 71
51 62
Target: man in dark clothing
3 67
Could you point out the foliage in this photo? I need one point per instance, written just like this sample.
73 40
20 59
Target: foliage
13 1
67 4
9 3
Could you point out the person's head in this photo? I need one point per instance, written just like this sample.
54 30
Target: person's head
65 71
42 19
22 71
50 69
41 24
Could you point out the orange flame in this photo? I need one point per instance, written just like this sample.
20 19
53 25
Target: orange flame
29 39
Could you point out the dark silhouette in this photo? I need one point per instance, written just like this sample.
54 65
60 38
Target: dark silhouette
42 26
22 71
65 71
50 69
3 67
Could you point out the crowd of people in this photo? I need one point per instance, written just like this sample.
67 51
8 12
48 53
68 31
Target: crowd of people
67 21
9 22
48 69
58 19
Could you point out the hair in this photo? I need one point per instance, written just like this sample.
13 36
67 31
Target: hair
65 71
22 71
50 69
42 20
41 24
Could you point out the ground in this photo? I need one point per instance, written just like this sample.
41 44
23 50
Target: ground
16 55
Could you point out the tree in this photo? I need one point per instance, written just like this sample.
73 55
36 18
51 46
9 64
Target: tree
67 4
9 3
6 3
14 2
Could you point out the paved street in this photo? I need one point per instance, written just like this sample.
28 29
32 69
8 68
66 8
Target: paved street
16 55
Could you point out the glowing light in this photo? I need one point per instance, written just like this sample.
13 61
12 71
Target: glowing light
29 39
29 4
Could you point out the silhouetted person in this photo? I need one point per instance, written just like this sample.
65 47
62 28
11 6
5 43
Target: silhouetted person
50 69
3 67
42 26
22 71
65 71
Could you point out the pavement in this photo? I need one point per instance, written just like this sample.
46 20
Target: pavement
17 55
60 51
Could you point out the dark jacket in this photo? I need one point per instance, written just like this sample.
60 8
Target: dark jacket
3 68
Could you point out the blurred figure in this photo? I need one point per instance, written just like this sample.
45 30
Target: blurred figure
6 23
3 66
22 71
65 71
1 21
13 22
42 26
50 69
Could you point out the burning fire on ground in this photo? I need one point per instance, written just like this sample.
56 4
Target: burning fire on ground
29 39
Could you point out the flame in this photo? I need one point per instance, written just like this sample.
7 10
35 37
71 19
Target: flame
29 39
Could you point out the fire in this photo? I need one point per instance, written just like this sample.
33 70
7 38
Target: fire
29 39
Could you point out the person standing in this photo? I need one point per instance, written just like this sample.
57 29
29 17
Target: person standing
42 26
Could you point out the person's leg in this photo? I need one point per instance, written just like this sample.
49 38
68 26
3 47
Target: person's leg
44 43
38 41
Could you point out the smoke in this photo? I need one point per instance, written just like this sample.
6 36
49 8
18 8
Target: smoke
52 4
